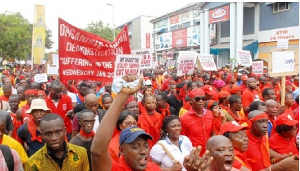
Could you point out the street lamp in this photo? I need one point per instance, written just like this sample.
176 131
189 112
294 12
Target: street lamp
112 6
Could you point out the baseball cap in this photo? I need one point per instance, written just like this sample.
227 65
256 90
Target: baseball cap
148 82
285 119
130 134
231 126
208 90
244 77
39 104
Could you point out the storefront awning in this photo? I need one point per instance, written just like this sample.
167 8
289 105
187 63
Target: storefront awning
249 45
269 3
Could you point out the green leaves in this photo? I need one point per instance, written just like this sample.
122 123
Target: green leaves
99 29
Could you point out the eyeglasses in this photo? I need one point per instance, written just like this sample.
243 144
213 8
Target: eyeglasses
197 99
130 123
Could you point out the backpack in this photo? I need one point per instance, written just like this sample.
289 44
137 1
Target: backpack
9 159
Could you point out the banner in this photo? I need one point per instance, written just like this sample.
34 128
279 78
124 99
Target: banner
38 35
127 64
83 55
244 58
258 67
193 37
206 62
185 66
148 40
179 38
147 58
163 41
155 64
283 61
219 15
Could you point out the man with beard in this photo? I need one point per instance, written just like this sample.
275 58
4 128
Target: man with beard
268 93
221 150
163 107
134 148
85 137
249 95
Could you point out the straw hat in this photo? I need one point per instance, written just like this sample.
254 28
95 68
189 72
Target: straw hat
38 104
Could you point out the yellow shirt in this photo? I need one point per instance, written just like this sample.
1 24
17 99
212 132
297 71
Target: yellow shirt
14 144
113 95
76 160
182 111
22 103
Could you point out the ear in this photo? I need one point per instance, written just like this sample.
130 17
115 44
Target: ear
121 149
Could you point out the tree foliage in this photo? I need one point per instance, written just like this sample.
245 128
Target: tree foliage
106 32
16 36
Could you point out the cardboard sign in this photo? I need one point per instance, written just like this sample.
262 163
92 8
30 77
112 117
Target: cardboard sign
187 54
171 62
52 70
41 78
185 66
147 59
206 62
258 67
282 43
244 58
86 56
283 61
127 64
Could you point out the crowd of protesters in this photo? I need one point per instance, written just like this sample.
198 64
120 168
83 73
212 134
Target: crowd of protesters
229 119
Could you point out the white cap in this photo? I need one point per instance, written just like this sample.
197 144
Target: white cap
148 82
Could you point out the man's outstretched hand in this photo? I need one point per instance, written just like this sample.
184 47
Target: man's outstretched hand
194 162
131 78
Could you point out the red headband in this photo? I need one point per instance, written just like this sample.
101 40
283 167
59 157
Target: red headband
31 91
41 92
210 103
257 117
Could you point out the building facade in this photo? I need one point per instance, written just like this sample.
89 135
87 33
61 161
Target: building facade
222 28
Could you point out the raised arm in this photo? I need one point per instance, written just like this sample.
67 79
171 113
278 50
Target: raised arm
99 149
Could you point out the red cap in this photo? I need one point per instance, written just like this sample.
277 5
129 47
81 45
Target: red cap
288 83
22 77
285 119
221 73
223 94
130 99
208 90
244 77
232 126
235 88
196 92
5 72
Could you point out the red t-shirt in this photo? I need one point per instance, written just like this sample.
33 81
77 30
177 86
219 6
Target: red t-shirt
197 129
4 98
122 166
283 146
240 160
243 88
63 106
248 97
26 116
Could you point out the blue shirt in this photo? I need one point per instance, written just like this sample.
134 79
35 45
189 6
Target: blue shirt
296 93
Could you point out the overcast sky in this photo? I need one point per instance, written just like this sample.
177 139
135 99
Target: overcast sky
82 12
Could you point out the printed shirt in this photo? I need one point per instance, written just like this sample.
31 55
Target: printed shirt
197 128
75 160
18 166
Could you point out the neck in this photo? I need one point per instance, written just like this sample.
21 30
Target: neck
287 106
199 111
164 106
14 110
233 111
256 135
150 112
174 140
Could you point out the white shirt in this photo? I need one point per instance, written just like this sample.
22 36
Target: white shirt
73 97
96 124
158 154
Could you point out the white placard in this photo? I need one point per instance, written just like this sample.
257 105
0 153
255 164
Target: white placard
41 78
127 64
282 44
283 61
185 66
154 64
54 59
244 58
187 54
147 59
171 63
207 62
258 67
52 69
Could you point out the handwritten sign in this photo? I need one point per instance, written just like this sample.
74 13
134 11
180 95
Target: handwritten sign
206 62
258 67
40 78
282 44
185 66
52 69
283 61
155 64
147 59
187 54
127 64
171 62
244 58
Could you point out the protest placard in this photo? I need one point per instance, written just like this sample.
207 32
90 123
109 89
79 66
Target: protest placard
244 58
185 66
127 64
86 56
171 63
147 59
257 67
206 62
283 61
41 78
187 54
154 64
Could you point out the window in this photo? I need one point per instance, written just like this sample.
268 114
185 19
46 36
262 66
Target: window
281 6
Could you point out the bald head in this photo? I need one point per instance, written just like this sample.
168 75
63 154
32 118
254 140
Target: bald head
254 113
215 141
249 80
271 102
91 98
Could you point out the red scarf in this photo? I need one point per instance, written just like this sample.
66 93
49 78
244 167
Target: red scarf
217 125
80 97
32 130
87 135
165 112
178 97
241 157
241 121
186 105
224 107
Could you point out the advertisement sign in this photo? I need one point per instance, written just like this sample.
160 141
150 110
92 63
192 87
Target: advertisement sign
127 64
148 40
147 59
185 16
289 33
163 41
244 58
168 54
85 56
219 15
257 67
174 19
193 38
162 23
179 38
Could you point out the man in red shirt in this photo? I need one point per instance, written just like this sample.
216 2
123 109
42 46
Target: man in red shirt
288 103
249 95
244 84
60 104
21 114
197 123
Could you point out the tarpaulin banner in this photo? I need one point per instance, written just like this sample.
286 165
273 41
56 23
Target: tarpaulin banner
83 55
38 35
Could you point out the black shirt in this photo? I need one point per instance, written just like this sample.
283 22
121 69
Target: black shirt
58 160
177 104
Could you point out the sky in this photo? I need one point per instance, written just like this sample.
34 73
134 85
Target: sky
81 13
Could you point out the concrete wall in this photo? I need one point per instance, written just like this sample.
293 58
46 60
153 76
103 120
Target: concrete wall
146 27
136 34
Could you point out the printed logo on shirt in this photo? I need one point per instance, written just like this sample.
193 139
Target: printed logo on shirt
235 123
290 117
64 106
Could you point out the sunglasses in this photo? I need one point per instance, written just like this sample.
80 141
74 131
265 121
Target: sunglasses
197 99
